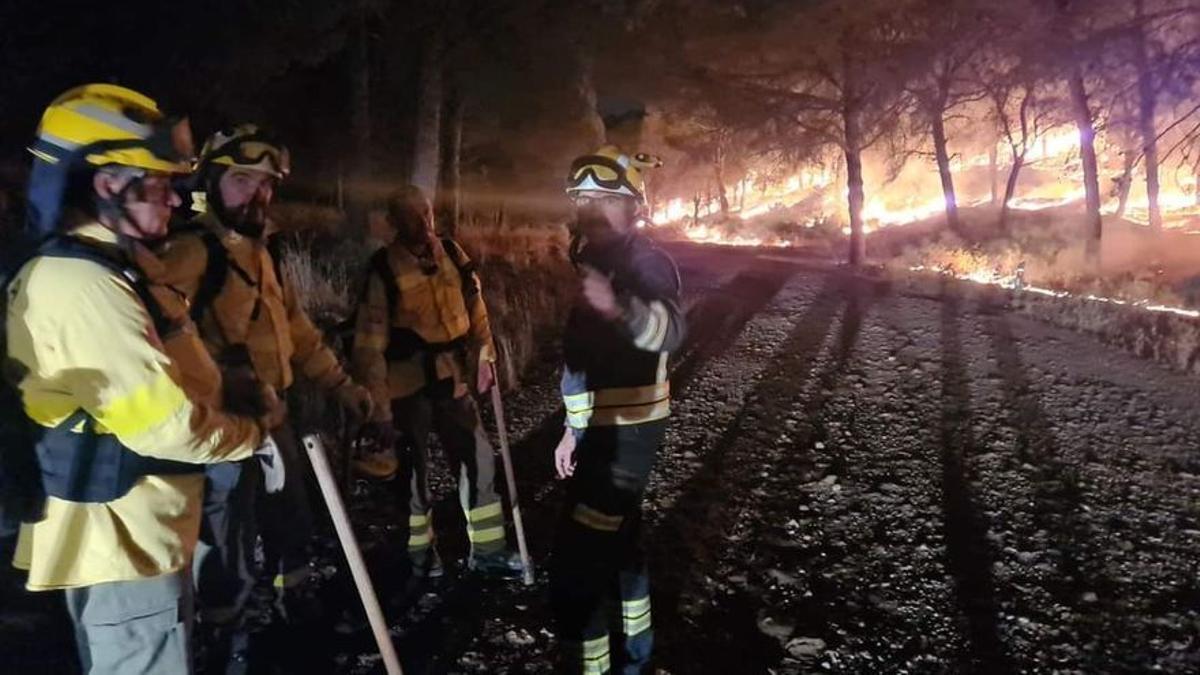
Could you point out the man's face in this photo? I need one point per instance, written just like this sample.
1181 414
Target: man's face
245 197
602 216
414 227
146 204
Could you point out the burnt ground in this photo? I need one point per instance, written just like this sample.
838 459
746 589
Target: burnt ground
855 481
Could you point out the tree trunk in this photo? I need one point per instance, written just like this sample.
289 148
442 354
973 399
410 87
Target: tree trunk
449 197
1196 186
1010 189
1147 104
854 183
943 164
852 129
1125 182
1082 112
696 210
426 141
360 126
719 176
994 173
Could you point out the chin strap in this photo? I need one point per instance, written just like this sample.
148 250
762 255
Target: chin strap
114 207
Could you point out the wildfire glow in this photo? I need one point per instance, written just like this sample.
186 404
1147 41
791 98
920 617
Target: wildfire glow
1014 282
817 193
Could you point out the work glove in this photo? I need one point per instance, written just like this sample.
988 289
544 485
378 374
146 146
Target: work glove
356 399
273 409
376 455
271 461
381 434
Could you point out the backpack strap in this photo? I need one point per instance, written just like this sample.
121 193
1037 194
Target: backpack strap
465 266
380 267
216 271
70 247
275 249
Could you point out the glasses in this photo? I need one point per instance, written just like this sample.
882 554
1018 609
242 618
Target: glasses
153 188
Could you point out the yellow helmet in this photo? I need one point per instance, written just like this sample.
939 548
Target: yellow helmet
103 124
608 169
249 147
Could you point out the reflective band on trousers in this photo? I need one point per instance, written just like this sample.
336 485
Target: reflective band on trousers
420 534
484 512
636 616
619 406
485 535
592 655
596 520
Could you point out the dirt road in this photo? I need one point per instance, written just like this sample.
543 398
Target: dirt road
855 481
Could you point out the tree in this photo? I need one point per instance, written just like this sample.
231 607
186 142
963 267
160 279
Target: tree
944 44
822 73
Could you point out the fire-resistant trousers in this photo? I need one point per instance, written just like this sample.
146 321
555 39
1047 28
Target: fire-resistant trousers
598 565
457 424
138 627
285 518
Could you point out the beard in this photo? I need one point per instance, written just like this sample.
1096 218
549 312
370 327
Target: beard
249 219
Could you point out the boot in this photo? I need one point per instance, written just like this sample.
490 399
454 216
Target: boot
502 564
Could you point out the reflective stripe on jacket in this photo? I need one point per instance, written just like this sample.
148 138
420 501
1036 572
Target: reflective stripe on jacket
615 372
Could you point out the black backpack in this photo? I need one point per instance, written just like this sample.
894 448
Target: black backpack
22 493
402 342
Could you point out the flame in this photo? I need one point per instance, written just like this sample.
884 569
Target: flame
1014 281
808 194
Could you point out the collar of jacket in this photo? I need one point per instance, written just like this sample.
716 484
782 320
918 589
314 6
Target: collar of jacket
133 250
403 255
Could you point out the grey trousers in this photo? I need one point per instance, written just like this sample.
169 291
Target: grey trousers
140 627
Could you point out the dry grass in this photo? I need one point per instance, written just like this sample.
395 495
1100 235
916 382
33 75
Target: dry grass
1135 265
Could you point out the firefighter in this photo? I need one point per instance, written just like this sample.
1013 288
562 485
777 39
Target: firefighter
624 324
251 321
120 447
423 342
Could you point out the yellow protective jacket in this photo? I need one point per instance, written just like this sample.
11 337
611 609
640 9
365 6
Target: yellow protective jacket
79 339
254 308
440 302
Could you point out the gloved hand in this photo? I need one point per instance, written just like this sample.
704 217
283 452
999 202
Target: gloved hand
381 433
376 455
271 461
274 409
356 399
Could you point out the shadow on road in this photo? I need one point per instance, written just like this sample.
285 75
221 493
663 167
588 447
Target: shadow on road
1057 493
969 555
695 531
